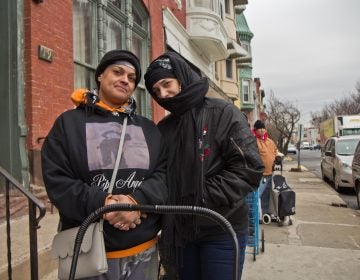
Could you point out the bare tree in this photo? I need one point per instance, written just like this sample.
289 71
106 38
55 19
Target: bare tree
357 86
348 105
282 118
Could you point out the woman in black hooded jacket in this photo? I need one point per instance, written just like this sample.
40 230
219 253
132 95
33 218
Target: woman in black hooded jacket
213 162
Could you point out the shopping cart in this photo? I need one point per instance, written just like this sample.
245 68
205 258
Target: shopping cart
252 200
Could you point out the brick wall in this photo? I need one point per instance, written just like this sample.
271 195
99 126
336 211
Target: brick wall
47 85
158 37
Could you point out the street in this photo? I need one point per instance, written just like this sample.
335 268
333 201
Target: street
311 160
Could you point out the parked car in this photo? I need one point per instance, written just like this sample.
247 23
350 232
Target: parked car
337 159
315 147
305 146
356 173
291 149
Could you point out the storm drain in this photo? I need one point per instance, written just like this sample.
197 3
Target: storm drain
337 204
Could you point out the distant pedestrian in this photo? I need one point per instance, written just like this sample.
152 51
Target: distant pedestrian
268 152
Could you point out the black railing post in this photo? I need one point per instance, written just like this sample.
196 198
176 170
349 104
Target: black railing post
8 236
33 226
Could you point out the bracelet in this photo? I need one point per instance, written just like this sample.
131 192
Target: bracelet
135 202
132 199
110 196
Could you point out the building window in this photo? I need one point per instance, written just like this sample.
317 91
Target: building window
117 3
204 4
84 34
213 5
229 68
227 6
100 26
246 46
216 69
246 91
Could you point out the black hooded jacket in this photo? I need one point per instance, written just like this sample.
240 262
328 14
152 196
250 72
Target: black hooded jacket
213 156
78 157
232 166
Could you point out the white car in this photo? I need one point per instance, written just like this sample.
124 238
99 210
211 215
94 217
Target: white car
305 146
291 149
356 173
336 160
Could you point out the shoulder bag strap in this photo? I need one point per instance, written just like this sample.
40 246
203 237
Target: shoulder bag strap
117 161
118 157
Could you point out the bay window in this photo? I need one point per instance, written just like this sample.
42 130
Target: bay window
103 25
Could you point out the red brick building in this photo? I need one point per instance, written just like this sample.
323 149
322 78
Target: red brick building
54 47
74 34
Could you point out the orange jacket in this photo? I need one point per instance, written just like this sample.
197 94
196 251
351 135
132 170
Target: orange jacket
268 151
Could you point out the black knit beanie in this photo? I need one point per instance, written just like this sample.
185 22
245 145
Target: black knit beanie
259 124
160 68
118 55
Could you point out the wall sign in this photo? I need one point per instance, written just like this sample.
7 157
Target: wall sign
46 53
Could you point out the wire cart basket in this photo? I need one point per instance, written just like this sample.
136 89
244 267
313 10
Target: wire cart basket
252 200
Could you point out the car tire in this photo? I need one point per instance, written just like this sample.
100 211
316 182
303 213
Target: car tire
357 191
323 175
336 182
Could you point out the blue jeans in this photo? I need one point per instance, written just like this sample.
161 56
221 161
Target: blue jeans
264 193
212 260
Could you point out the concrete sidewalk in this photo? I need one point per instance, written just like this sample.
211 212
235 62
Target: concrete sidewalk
322 244
20 247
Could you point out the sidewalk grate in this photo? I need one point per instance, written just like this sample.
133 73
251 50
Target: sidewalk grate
337 204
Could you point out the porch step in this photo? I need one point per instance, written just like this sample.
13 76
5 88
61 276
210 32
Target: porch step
50 276
20 250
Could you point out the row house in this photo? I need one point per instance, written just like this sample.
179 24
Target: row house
51 48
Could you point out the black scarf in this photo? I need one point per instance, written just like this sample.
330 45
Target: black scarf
184 174
183 130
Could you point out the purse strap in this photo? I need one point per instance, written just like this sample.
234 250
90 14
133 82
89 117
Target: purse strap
117 162
118 157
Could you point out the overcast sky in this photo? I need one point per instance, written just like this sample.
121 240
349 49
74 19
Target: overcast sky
306 51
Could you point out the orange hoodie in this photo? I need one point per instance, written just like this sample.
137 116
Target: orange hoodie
268 151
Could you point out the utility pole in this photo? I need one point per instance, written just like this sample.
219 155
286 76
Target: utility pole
300 136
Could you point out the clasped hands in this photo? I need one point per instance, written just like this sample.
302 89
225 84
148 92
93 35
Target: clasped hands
123 220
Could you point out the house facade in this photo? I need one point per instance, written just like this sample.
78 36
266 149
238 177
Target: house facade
55 46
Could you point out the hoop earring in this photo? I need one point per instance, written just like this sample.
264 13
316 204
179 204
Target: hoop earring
179 89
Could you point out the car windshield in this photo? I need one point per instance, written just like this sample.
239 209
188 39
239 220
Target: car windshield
346 147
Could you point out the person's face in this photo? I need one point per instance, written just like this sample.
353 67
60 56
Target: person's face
261 131
166 88
117 83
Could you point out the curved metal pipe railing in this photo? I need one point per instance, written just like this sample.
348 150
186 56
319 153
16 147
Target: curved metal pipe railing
159 209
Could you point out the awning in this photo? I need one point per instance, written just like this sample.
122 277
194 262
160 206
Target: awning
235 50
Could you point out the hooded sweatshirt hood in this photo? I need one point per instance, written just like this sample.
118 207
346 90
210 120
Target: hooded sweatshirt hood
193 87
90 100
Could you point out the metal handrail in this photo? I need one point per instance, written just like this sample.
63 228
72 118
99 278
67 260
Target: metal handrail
159 209
33 222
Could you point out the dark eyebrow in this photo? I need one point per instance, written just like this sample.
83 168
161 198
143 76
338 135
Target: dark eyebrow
119 67
164 81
